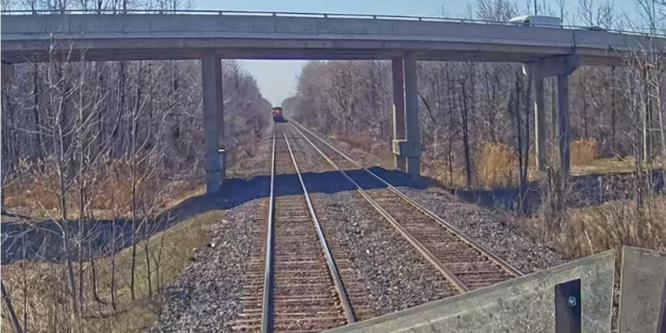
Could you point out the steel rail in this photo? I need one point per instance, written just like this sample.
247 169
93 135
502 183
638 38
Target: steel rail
330 261
503 264
637 30
268 268
455 281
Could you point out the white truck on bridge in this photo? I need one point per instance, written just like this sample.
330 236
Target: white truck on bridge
539 21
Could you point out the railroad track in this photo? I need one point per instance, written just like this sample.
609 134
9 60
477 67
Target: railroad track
463 262
298 288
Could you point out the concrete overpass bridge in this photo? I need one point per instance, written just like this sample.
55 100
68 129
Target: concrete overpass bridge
213 35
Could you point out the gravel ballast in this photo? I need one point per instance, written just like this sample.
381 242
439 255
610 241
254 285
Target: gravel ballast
206 297
488 228
394 274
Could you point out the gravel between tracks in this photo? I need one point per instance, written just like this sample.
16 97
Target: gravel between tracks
395 275
488 228
206 296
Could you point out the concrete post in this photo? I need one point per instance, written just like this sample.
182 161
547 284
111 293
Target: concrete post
563 121
539 122
211 76
398 75
413 150
219 106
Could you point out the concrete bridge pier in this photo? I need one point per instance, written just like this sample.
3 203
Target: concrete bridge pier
561 67
539 122
398 74
211 77
563 123
406 131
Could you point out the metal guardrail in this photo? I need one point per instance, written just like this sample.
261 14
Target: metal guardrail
635 31
573 297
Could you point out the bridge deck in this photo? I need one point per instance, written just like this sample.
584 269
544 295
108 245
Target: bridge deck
169 36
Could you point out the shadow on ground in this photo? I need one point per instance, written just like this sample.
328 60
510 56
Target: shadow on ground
42 241
588 190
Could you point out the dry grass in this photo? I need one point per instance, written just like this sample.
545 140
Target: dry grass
605 166
584 151
35 191
47 304
613 224
591 230
496 166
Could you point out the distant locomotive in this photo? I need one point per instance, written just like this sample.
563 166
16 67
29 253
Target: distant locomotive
278 114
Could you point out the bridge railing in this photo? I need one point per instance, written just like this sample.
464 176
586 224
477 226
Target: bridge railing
635 30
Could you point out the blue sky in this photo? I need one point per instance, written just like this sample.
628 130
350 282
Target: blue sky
277 79
404 7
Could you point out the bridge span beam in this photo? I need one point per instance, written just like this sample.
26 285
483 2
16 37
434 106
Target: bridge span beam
560 67
211 76
406 131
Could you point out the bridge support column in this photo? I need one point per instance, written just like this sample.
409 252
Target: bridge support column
413 151
539 123
406 146
211 76
398 75
563 122
561 67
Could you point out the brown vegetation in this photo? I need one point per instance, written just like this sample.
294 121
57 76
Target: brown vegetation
33 193
613 224
496 166
584 151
